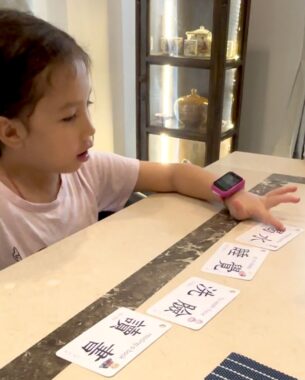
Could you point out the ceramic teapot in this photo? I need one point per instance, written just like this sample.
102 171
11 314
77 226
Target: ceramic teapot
204 40
192 110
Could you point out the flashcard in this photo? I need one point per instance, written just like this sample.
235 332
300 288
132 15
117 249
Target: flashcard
268 237
193 303
113 342
236 260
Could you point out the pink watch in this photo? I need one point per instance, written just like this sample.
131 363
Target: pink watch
228 185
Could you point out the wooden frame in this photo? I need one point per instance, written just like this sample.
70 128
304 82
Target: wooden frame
217 66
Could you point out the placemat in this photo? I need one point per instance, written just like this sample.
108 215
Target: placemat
239 367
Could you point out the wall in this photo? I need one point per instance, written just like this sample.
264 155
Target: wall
87 22
21 5
275 40
122 54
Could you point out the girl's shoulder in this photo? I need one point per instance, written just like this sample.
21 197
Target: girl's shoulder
107 162
110 177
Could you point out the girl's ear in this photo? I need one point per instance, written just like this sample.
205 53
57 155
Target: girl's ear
12 132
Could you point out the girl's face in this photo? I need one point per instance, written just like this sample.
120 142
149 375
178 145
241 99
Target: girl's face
59 130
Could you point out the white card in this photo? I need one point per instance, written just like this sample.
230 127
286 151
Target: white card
113 342
264 236
193 303
236 260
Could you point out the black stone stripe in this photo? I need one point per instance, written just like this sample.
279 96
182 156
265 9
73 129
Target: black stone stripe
39 362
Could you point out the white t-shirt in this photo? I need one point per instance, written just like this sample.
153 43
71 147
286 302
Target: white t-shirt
104 182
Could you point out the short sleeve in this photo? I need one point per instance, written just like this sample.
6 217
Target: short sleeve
112 179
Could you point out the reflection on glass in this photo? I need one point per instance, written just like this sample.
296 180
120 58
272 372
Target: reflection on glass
225 147
181 28
165 149
228 100
163 25
163 93
233 48
168 90
178 97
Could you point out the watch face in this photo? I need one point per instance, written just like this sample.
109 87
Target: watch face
228 181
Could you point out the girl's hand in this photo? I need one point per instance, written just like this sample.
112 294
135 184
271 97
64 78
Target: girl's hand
244 205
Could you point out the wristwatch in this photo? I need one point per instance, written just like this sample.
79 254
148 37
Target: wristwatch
228 185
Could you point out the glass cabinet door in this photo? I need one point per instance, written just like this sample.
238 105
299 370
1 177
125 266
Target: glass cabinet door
178 97
230 94
181 28
189 70
235 30
166 149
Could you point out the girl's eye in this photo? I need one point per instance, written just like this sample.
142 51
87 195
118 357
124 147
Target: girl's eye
69 118
74 116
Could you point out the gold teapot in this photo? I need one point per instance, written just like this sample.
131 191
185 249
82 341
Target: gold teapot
192 110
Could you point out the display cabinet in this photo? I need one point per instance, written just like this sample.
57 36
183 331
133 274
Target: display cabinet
190 65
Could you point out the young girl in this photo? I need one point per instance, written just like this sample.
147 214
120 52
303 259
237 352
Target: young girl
50 185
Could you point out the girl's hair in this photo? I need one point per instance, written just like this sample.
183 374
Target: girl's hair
29 47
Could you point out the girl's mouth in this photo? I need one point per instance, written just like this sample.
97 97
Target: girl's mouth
83 157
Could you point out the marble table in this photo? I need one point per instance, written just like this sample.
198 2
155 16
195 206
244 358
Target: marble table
138 255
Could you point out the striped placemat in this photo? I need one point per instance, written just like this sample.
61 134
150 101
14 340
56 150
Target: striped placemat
239 367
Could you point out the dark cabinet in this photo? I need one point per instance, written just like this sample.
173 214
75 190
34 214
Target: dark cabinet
190 64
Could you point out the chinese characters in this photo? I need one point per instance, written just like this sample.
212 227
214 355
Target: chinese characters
129 327
101 350
230 267
180 308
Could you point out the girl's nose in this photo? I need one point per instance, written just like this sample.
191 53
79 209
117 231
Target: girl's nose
90 130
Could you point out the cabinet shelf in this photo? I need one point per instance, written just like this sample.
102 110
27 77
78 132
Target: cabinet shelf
190 66
185 134
189 62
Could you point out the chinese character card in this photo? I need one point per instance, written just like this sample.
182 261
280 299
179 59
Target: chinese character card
236 260
193 303
113 342
264 236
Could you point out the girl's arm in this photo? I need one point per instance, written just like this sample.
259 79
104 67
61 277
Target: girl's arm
196 182
185 179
